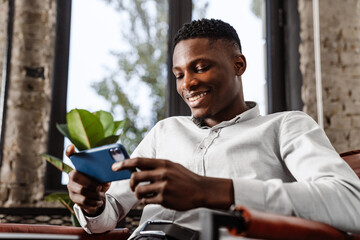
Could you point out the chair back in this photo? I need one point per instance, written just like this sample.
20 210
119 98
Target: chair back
353 159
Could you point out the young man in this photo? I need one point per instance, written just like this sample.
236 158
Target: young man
225 153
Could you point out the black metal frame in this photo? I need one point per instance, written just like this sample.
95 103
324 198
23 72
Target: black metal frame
6 73
293 77
180 12
283 59
59 93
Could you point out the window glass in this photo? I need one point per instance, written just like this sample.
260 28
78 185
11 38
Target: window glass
246 16
118 51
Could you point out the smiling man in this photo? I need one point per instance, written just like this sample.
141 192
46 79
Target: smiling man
224 154
208 77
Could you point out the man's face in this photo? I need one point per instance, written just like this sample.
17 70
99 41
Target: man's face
208 78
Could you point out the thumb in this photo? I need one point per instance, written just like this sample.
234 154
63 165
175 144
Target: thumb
105 187
70 150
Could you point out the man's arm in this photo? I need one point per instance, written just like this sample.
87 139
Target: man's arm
326 189
96 206
173 186
105 216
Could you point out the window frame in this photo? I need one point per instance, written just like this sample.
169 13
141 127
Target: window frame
5 75
180 12
284 78
59 94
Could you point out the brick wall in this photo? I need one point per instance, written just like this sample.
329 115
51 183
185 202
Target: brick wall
28 103
340 59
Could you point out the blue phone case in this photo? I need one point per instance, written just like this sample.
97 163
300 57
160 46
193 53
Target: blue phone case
97 162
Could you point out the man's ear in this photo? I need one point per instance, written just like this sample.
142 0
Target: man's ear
239 64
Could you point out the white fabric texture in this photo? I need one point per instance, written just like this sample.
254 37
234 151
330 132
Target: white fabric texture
281 163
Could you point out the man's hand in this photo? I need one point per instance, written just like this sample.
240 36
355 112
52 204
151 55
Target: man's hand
85 192
173 186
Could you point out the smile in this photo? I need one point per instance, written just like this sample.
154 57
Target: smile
194 98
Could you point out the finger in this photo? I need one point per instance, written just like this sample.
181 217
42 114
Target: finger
84 202
90 194
70 150
149 190
105 187
140 163
82 179
154 199
146 176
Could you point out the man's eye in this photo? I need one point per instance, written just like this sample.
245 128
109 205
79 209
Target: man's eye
200 69
179 76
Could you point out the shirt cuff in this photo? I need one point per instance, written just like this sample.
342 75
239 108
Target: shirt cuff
105 221
249 193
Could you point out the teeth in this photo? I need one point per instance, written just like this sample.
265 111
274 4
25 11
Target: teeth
192 99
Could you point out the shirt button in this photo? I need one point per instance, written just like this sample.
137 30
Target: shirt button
201 147
214 131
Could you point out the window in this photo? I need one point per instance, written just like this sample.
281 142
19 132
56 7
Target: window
279 92
7 30
119 67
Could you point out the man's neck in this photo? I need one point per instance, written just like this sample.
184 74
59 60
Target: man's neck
213 121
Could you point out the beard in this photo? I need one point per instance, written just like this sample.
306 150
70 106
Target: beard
200 121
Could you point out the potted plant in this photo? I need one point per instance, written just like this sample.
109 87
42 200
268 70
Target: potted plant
85 130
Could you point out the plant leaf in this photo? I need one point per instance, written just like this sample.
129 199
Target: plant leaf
58 163
63 198
108 140
85 128
57 196
63 129
118 125
107 122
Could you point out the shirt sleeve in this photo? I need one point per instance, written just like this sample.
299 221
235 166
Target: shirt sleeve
326 188
119 201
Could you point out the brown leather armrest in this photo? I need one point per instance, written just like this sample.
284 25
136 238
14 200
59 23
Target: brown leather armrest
262 225
119 234
353 159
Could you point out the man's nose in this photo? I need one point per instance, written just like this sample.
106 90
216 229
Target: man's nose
189 81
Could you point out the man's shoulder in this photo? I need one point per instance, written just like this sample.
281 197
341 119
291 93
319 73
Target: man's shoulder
291 121
288 114
287 117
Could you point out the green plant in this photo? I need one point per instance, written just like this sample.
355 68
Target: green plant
88 130
65 200
85 130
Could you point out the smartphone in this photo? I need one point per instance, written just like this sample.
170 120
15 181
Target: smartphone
96 162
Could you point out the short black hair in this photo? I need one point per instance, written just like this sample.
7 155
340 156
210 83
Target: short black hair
212 29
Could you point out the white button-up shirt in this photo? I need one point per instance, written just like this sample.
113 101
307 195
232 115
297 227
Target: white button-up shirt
281 163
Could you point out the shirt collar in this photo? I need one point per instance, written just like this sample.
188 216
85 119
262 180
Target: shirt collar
251 113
